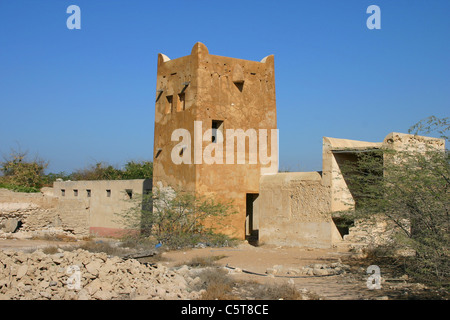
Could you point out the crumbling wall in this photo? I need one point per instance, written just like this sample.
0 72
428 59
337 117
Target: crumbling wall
35 214
73 215
28 212
370 232
294 210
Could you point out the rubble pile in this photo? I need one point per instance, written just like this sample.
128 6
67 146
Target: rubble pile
83 275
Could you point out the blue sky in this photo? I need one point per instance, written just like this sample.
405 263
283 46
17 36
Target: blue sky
76 97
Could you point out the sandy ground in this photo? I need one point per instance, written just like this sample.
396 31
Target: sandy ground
258 259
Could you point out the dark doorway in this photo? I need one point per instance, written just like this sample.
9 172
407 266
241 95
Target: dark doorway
251 219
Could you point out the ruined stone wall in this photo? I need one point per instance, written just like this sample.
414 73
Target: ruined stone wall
294 210
29 211
409 142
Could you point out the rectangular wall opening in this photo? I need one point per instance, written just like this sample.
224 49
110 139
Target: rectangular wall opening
88 193
181 106
108 193
75 192
169 104
251 218
356 166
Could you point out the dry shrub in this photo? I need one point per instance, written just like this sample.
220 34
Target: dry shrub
218 291
217 285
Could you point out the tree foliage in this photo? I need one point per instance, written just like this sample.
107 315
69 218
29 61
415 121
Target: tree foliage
411 190
102 171
21 173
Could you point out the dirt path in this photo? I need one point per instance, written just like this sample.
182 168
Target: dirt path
259 259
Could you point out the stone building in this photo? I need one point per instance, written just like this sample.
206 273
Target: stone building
207 107
94 207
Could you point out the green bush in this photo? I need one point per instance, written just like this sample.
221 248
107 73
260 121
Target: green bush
138 170
16 188
177 219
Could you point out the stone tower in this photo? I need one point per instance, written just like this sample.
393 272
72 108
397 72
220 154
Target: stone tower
209 113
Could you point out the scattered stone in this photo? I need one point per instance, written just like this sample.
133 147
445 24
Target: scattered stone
10 225
21 271
36 275
320 272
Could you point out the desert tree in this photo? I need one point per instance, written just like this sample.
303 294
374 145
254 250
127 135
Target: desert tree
177 218
409 188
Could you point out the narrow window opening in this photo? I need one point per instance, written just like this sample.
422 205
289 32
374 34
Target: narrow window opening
63 192
217 125
251 219
108 193
169 105
181 102
75 192
88 193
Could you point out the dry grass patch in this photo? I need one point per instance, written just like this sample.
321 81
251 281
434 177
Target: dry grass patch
217 284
